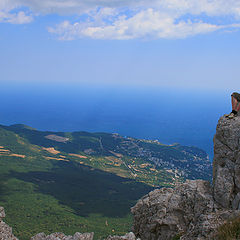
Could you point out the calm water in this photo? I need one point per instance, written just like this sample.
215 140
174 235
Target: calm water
186 117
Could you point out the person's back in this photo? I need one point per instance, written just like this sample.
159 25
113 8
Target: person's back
235 97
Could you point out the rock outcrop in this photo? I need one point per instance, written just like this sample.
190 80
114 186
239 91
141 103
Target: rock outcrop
62 236
80 236
188 210
5 230
128 236
226 163
193 210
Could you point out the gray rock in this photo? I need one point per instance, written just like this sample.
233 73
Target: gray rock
39 236
226 163
128 236
188 209
2 213
62 236
5 230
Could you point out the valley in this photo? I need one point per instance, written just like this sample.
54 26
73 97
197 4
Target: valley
79 181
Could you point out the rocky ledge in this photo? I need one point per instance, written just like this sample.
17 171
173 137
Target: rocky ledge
188 210
226 163
193 210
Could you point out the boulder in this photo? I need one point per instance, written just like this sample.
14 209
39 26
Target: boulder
128 236
188 210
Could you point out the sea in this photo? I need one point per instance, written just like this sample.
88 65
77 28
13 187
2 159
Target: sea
169 115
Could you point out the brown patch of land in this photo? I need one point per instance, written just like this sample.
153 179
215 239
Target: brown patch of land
17 155
144 165
51 150
116 154
20 141
58 159
4 150
77 155
57 138
114 161
153 169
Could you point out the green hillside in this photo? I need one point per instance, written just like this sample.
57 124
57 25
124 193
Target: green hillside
80 181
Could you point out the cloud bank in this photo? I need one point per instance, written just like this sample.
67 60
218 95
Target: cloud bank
127 19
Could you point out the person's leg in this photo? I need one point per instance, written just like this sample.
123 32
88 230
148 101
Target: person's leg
235 105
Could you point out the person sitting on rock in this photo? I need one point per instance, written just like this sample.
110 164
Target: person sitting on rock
235 105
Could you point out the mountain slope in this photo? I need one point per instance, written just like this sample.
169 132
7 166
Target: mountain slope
182 161
55 181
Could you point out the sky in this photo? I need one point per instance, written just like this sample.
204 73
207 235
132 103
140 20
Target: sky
159 43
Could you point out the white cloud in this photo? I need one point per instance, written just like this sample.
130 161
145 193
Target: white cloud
15 18
210 7
128 19
147 23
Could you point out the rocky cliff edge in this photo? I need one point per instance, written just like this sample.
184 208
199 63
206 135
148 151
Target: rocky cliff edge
226 163
193 210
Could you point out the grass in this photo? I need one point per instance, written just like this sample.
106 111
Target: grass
229 231
52 196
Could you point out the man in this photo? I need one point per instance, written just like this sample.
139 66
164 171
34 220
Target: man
235 105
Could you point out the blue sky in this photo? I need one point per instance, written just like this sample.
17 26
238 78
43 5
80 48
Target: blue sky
164 43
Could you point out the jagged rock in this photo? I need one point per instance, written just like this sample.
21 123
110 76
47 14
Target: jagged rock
2 213
5 230
128 236
226 163
188 209
39 236
62 236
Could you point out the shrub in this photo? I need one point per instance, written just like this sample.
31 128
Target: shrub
229 230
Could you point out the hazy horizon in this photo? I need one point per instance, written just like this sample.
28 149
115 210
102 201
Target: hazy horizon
169 115
156 59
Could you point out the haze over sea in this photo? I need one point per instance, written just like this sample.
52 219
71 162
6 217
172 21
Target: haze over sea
158 69
170 115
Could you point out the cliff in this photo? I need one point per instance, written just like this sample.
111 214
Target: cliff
193 210
226 163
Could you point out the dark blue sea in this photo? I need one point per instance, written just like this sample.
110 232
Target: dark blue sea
188 117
